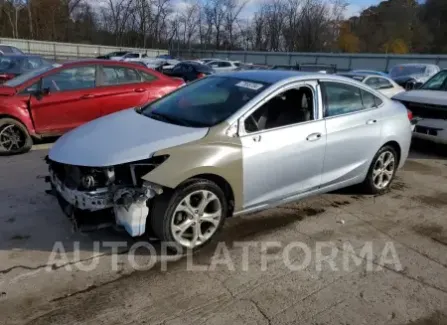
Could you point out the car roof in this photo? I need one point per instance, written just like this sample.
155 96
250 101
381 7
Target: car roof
274 76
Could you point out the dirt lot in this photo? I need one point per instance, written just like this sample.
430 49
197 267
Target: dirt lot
402 281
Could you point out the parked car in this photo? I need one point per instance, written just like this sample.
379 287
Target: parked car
227 145
413 75
383 84
9 50
251 66
189 71
52 100
132 57
429 106
12 66
207 60
113 55
374 72
223 65
308 67
165 57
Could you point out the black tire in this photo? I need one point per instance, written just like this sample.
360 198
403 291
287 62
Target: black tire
368 185
163 207
26 142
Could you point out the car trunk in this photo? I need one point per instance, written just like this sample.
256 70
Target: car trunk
427 110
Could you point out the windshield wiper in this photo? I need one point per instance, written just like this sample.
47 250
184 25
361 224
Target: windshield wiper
168 119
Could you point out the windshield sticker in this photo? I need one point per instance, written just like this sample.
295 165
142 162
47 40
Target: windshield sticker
249 85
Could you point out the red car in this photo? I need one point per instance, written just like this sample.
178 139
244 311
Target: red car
52 100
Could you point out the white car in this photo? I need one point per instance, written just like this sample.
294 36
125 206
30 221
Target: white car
380 83
223 65
129 57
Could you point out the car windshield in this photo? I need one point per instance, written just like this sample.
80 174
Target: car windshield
28 76
206 102
437 82
407 70
8 63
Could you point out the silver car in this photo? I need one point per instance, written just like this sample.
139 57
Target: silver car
227 145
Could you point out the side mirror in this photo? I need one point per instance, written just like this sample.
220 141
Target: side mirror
418 85
39 94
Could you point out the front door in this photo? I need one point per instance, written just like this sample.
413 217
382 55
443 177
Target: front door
68 103
283 146
353 126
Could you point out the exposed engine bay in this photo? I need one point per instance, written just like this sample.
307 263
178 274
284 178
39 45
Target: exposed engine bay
118 190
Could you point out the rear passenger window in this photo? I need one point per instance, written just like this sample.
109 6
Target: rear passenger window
342 99
147 76
119 76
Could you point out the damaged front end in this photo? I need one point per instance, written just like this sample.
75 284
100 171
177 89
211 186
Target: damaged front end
116 191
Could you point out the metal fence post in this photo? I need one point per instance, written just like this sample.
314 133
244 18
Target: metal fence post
77 51
387 64
54 51
350 63
29 46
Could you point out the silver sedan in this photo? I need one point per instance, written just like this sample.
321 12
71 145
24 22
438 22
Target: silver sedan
230 144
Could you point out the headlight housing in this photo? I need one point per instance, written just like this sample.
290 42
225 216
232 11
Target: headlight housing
140 168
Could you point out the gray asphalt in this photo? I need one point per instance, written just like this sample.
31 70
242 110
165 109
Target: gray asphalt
403 281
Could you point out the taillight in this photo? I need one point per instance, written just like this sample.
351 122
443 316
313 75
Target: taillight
201 75
7 76
410 114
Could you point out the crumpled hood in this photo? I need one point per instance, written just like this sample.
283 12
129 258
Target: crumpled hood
119 138
423 97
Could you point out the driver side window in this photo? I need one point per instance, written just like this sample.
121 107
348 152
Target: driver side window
290 107
71 79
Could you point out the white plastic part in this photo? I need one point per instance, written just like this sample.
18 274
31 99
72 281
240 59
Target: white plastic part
134 218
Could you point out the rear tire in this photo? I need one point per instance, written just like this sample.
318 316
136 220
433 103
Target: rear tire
190 218
14 137
382 171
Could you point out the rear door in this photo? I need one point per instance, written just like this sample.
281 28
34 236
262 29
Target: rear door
353 127
69 101
122 87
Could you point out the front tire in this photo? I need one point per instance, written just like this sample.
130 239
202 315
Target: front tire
192 216
14 137
382 171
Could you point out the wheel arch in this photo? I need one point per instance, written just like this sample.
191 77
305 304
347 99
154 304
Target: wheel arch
27 124
224 185
395 145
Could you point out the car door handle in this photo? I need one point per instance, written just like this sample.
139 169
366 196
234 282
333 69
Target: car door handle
313 137
371 122
87 96
139 90
256 138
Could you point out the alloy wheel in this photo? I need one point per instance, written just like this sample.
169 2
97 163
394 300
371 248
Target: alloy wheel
383 170
196 218
12 138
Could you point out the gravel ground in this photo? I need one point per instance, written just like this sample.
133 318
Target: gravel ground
340 258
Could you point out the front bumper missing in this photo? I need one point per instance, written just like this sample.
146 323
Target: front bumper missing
128 205
92 201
